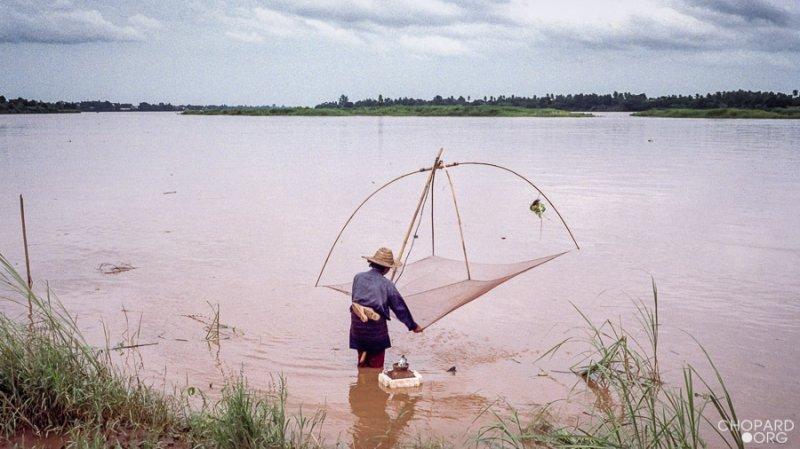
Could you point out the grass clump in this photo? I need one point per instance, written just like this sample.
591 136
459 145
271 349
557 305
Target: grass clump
50 378
776 113
243 419
634 408
52 382
397 110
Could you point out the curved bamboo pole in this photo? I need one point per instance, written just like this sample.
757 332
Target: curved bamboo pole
349 219
455 164
458 216
422 197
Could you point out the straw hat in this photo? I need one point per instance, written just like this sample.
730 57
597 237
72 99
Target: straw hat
384 257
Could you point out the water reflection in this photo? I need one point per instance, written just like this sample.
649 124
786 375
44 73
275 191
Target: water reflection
372 409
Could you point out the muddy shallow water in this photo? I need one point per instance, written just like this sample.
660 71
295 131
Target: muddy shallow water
240 212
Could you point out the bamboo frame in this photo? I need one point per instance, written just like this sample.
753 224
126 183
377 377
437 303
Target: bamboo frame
349 219
569 231
421 201
458 217
433 228
438 164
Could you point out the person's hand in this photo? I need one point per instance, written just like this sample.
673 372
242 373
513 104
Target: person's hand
417 330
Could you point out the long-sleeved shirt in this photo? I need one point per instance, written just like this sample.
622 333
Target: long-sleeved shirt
373 289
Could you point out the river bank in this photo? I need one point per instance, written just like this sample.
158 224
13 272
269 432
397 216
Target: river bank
396 111
778 113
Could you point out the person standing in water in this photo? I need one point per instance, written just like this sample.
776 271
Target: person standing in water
373 297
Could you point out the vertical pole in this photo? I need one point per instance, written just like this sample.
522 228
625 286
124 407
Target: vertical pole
433 229
416 211
27 257
460 226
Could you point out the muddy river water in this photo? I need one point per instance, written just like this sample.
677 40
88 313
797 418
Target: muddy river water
239 212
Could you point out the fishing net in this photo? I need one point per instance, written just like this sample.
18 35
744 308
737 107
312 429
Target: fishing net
435 286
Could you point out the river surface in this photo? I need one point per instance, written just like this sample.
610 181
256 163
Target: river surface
240 212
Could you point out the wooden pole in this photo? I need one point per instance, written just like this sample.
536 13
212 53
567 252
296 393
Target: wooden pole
353 214
416 211
433 229
460 226
27 257
569 231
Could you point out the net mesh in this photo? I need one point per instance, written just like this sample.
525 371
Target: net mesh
435 286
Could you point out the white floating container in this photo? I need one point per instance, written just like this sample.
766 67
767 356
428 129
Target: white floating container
409 382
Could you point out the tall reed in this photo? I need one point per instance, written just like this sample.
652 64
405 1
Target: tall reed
53 381
634 407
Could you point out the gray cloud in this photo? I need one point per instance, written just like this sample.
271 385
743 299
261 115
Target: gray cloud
688 26
370 13
465 27
630 33
732 12
755 25
61 22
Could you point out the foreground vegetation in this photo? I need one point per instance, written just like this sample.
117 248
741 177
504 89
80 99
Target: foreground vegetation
777 113
53 382
634 407
398 110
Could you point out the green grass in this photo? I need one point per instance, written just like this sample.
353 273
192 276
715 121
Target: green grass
50 378
423 111
53 382
777 113
243 419
634 408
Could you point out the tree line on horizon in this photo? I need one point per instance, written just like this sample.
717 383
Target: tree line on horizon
617 101
23 106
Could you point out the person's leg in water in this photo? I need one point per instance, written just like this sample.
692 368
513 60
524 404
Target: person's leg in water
371 359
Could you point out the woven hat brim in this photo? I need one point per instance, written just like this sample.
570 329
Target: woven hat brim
382 263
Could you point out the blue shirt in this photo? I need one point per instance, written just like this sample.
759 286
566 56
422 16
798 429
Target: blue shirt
372 289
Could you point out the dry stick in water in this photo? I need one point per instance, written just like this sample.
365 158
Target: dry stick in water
140 345
27 258
212 328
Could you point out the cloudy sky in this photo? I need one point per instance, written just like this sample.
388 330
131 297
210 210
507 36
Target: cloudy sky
307 51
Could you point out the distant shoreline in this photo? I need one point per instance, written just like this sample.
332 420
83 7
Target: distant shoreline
722 113
396 111
728 104
461 111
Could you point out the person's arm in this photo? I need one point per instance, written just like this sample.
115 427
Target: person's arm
400 309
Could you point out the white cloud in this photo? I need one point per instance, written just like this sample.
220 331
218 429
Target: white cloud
250 38
433 45
253 24
386 13
143 22
63 4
